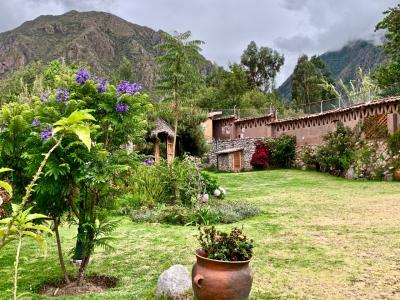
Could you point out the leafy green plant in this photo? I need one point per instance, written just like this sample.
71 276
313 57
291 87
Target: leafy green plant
309 158
210 181
282 151
204 215
393 142
218 245
336 154
22 227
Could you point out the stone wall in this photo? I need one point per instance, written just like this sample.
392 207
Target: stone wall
247 144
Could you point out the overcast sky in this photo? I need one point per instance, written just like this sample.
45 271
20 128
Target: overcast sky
293 27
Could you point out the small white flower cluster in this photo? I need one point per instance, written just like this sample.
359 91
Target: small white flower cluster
219 192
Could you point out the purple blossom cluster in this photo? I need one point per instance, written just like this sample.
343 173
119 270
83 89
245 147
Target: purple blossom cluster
62 95
46 133
81 76
125 87
36 123
44 97
102 84
148 161
121 108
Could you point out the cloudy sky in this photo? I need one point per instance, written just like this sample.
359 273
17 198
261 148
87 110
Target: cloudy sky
292 27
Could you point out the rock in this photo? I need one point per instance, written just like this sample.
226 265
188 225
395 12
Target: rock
350 174
174 282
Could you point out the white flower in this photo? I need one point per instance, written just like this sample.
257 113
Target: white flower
217 193
222 190
204 198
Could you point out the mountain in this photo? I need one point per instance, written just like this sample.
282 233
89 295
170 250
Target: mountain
97 39
344 63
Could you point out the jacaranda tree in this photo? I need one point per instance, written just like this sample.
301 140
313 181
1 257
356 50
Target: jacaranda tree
74 178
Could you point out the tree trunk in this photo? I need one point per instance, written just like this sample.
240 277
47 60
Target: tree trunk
174 141
59 249
82 270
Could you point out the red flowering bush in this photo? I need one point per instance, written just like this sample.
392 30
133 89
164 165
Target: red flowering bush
260 158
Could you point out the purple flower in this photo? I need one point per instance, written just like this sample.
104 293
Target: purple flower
62 95
121 108
125 87
81 76
46 133
36 123
148 161
102 84
44 96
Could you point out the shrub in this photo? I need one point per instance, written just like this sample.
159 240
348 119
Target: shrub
393 142
234 211
309 158
283 151
227 247
210 182
260 158
174 215
336 155
207 214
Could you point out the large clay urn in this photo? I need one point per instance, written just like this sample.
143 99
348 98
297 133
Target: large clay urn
221 280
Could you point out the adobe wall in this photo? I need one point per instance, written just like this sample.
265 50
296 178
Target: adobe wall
253 127
310 130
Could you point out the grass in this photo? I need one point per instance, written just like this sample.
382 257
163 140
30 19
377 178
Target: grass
319 237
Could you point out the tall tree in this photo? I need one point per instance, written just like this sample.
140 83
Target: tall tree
311 82
388 74
261 64
179 76
124 72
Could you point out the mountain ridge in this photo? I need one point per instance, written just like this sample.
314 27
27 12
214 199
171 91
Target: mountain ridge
98 39
344 63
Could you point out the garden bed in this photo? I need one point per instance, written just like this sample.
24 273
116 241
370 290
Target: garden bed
92 284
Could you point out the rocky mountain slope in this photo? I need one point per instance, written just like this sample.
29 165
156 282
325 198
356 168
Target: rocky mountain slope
344 63
97 39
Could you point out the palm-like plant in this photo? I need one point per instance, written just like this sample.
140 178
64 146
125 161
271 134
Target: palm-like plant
178 70
22 226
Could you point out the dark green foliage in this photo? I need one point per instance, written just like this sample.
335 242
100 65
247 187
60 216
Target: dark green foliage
261 65
190 136
282 151
218 245
311 82
336 154
388 74
178 183
309 158
394 142
124 72
224 89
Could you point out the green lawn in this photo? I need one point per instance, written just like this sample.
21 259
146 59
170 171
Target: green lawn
319 237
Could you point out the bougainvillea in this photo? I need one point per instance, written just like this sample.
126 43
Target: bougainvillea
260 158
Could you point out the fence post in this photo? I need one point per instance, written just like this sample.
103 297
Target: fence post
321 105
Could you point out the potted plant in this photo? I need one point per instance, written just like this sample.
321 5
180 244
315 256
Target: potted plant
222 269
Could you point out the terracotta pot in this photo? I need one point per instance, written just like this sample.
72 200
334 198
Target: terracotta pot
221 280
396 175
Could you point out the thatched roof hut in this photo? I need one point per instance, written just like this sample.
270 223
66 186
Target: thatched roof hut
161 131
